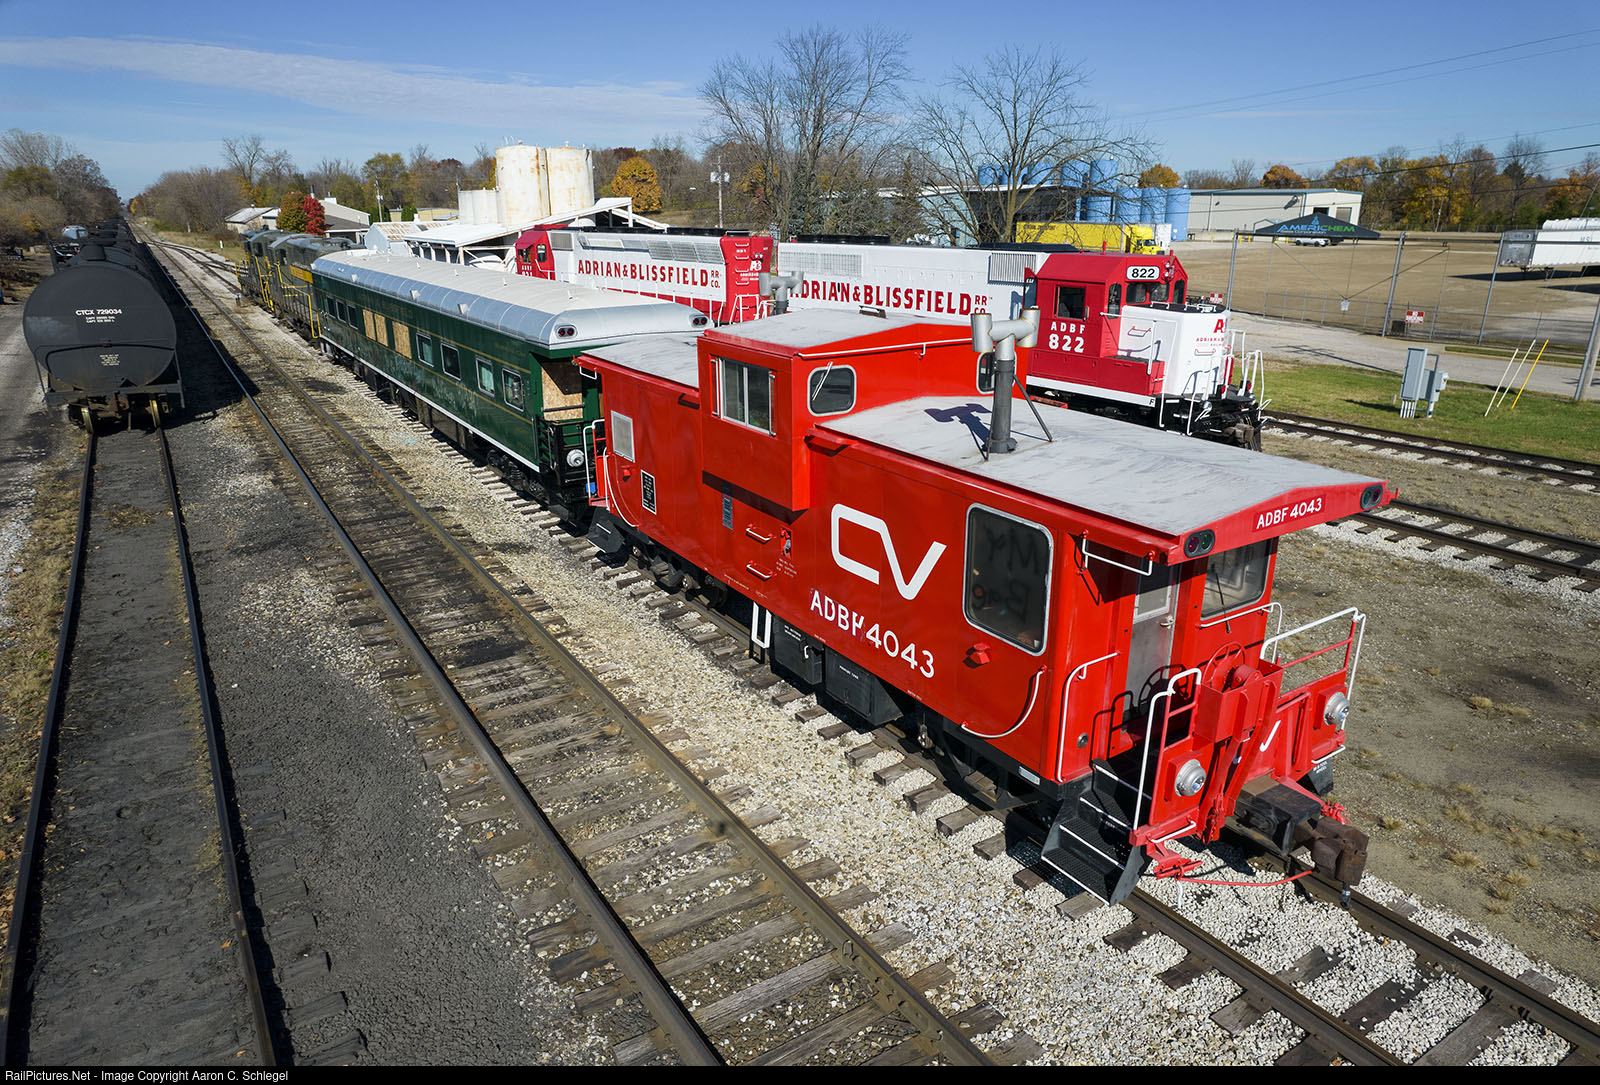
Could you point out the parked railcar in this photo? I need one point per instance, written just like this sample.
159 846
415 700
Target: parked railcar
102 335
485 357
1087 620
277 273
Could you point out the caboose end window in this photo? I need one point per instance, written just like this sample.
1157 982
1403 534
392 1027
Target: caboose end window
1008 577
1236 578
746 394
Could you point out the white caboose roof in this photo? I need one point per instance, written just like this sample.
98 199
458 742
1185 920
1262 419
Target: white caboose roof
669 357
1148 478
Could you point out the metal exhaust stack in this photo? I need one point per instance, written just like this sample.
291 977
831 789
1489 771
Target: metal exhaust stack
1004 337
777 286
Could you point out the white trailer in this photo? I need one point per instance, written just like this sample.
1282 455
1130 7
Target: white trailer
1558 243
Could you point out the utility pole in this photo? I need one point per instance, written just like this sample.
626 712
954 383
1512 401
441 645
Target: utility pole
1587 372
1394 280
719 179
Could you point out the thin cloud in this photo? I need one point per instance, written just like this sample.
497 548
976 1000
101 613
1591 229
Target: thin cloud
363 88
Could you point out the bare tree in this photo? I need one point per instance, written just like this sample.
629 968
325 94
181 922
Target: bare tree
19 148
243 155
992 145
1520 163
674 168
1243 173
822 103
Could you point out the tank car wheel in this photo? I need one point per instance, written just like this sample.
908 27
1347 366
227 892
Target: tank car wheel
78 415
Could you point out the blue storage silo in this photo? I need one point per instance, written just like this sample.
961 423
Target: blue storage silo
1153 205
1127 209
1102 171
1073 174
1038 173
1178 213
1097 209
990 175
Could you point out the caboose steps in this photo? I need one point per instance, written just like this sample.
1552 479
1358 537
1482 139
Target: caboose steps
1089 838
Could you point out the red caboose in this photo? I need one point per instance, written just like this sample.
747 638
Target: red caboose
1087 620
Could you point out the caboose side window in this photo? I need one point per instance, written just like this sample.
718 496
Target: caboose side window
1008 577
746 394
1236 578
1069 302
832 390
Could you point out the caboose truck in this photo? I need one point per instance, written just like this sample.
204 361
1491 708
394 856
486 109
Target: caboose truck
1086 620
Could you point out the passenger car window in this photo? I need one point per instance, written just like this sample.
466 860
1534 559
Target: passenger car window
452 361
513 387
485 375
1007 577
424 349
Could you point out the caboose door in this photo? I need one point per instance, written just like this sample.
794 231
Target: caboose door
1150 643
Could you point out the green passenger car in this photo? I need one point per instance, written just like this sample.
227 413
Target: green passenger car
485 357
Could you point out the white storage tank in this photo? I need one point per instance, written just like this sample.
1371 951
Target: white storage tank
569 175
524 194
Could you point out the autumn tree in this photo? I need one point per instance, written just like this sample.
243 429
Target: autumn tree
1159 176
194 199
636 179
1351 174
385 175
1281 176
316 218
292 213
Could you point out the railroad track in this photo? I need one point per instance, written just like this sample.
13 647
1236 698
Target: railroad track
641 883
128 940
1540 553
1552 469
1344 1034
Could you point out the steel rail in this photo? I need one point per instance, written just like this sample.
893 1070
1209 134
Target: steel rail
893 992
245 943
27 865
1556 467
1325 1028
1529 1003
664 1008
1555 566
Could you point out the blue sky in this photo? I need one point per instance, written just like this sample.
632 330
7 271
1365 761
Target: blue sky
144 88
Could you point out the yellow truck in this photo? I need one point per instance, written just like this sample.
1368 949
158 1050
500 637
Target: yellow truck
1092 236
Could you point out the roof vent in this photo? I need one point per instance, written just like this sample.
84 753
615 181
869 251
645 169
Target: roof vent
461 306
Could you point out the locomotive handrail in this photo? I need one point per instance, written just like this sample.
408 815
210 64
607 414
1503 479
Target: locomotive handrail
1033 695
1066 694
1150 722
1358 631
1083 548
1230 616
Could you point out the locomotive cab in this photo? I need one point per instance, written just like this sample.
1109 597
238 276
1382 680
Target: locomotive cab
1120 335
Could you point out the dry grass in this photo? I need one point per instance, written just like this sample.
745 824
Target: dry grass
1457 812
1589 855
1516 877
1483 703
1514 710
1435 671
1464 859
1391 822
1500 892
1496 908
1532 862
1465 788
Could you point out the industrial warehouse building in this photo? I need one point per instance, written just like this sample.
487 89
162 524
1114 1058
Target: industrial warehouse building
1217 212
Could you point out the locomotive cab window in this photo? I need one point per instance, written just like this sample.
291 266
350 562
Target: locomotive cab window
452 360
1007 588
1145 293
1178 291
1069 302
1114 299
1236 578
832 390
746 394
485 375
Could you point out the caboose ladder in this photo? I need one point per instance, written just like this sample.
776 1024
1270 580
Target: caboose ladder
1088 841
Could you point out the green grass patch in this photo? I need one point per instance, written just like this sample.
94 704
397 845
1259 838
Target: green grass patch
1550 425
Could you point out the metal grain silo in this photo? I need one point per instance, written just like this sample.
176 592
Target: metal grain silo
520 181
1178 213
1127 207
569 173
1152 205
1074 174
